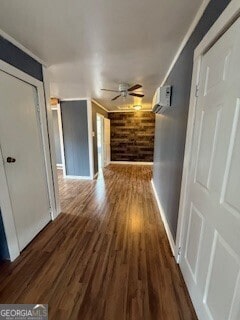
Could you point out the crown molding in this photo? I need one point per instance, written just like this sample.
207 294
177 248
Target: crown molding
100 106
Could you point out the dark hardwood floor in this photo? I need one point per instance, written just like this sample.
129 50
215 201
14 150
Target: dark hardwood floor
106 257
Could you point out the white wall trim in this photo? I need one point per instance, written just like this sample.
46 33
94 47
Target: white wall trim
164 220
52 172
186 38
90 138
78 177
99 105
20 46
5 202
61 139
96 135
132 162
75 99
60 130
46 150
229 15
123 111
19 74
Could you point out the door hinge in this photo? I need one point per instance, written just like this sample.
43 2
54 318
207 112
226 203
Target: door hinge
197 91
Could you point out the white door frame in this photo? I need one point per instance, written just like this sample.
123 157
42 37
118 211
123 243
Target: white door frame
52 158
103 149
90 138
108 162
5 201
59 116
229 15
90 141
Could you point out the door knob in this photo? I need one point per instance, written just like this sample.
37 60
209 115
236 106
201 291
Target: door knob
10 160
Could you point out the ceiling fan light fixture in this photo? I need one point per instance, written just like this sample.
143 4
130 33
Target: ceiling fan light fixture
125 90
137 107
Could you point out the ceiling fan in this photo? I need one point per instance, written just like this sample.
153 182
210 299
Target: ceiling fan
125 90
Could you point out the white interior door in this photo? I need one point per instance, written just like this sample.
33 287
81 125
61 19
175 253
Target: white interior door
23 157
210 260
107 148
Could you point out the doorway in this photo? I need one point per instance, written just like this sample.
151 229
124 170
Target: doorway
100 141
57 134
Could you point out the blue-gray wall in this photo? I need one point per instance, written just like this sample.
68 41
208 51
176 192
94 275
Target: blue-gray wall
4 254
170 130
56 134
19 59
96 109
75 137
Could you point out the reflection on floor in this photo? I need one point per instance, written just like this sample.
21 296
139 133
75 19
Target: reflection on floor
105 257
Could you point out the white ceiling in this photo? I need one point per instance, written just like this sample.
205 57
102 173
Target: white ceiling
94 44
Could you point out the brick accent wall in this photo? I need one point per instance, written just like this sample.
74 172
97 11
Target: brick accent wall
132 136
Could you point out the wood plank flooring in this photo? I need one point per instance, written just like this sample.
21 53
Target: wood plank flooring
106 257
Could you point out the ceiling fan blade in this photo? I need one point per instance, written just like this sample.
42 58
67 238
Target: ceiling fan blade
115 98
110 90
137 95
135 87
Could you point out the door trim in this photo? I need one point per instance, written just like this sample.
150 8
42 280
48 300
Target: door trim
226 19
90 138
51 145
59 115
5 202
96 134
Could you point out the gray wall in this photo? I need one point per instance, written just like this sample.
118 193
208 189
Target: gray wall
56 137
75 137
96 109
4 254
19 59
170 130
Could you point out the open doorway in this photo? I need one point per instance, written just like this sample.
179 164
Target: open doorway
100 141
56 117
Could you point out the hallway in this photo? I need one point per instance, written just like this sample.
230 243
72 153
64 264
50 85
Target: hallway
105 257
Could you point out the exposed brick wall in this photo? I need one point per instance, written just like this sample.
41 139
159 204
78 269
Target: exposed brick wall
132 136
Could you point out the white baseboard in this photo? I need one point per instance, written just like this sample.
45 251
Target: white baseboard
78 177
165 223
59 166
132 162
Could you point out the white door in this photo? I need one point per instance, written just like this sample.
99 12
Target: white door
210 260
23 157
107 148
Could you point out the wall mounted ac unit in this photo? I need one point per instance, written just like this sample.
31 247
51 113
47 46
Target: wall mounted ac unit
162 99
